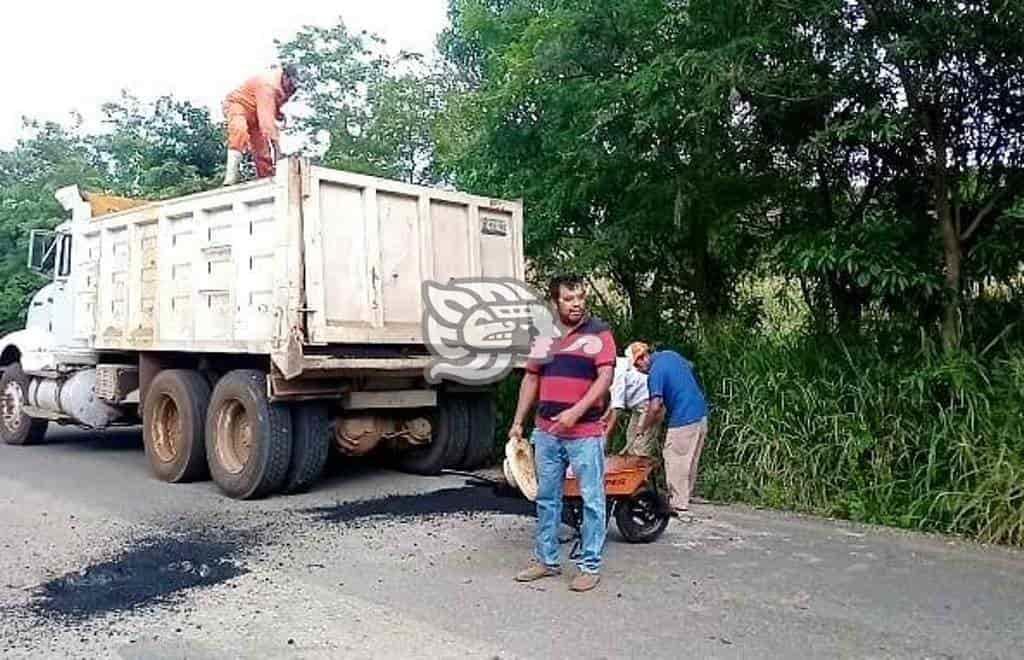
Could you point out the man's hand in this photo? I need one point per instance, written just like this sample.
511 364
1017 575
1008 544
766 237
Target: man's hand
515 432
567 419
655 411
611 421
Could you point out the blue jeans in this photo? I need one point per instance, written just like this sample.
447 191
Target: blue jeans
586 455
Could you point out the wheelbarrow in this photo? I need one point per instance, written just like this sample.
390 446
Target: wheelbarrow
631 498
630 494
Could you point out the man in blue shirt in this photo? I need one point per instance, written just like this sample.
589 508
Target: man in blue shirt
675 395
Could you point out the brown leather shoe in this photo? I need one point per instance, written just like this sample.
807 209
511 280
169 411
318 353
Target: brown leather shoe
537 571
585 581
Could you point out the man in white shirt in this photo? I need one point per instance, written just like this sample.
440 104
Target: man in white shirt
629 393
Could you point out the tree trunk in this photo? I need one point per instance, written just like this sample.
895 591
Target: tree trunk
846 302
928 112
951 244
952 254
704 277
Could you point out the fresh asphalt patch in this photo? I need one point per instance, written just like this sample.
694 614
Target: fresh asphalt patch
152 572
160 570
467 501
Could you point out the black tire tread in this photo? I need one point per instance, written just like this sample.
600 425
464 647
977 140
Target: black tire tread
451 433
482 423
31 431
629 532
276 433
196 390
310 446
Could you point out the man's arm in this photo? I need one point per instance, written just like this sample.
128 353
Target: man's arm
612 418
656 401
266 114
655 413
528 392
597 391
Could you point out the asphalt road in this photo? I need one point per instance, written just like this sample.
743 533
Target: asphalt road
97 559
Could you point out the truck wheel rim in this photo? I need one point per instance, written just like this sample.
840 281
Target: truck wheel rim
234 437
12 404
168 434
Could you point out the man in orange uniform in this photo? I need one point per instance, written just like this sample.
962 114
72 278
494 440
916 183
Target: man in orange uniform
252 112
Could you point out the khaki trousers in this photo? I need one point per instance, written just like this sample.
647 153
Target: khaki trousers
644 445
683 446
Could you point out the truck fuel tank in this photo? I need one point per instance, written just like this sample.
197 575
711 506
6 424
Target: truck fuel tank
73 397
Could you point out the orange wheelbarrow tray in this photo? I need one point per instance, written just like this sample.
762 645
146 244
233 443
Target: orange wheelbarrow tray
631 498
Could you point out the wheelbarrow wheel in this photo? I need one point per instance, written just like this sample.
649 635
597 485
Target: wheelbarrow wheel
640 518
572 513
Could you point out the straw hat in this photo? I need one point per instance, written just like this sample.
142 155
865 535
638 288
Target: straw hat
520 470
637 350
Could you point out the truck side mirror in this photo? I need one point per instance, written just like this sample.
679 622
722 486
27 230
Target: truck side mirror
42 251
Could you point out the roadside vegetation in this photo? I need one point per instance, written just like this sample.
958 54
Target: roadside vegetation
820 202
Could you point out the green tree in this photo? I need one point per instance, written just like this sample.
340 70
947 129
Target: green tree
162 148
377 111
896 132
48 157
581 107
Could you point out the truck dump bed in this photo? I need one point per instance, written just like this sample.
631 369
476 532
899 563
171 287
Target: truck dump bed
315 256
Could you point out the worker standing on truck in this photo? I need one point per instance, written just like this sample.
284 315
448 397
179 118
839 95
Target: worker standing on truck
676 396
570 389
629 394
252 112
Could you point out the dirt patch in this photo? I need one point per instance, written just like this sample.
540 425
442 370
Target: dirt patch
154 571
466 501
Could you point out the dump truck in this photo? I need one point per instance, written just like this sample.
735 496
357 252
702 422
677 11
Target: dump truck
251 328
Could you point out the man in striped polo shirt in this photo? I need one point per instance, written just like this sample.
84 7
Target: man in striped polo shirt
570 390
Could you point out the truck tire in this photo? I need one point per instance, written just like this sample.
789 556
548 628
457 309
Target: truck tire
248 439
17 428
174 425
311 442
448 444
483 414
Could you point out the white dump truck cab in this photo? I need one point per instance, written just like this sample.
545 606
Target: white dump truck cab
50 310
252 328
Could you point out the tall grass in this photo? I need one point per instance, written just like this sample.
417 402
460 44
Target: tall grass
867 431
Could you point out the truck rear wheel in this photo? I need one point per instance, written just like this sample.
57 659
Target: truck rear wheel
482 421
248 439
448 442
17 428
311 442
173 421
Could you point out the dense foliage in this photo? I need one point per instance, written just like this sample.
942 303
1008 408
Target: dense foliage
819 201
865 154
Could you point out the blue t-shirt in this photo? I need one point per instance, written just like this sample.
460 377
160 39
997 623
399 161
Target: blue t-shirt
672 380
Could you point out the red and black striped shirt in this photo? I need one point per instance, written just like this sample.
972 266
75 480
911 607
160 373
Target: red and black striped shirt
569 374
